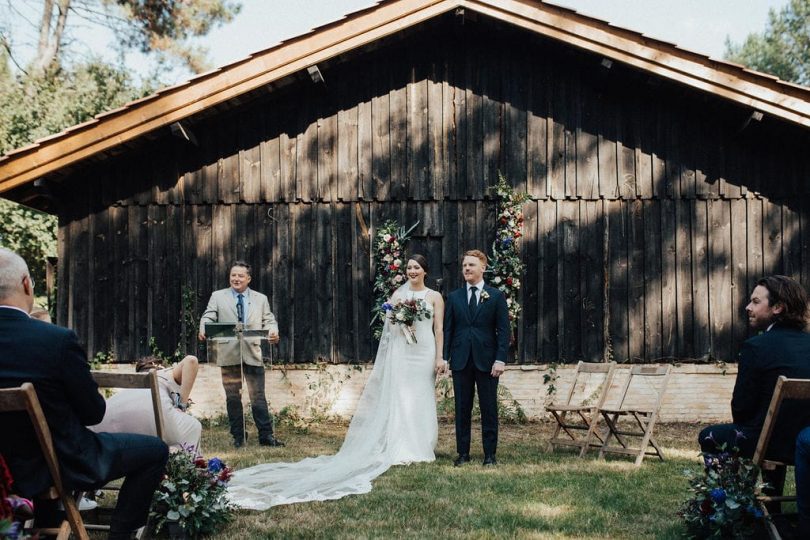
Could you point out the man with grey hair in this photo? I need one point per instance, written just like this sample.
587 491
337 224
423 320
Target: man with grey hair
51 358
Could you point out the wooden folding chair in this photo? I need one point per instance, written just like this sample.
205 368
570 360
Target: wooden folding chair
640 407
576 416
24 398
785 389
148 381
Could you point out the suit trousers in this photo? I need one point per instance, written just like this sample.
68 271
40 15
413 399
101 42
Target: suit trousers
727 437
465 382
232 383
803 482
141 461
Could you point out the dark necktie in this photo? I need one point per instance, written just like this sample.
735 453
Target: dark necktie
240 308
473 301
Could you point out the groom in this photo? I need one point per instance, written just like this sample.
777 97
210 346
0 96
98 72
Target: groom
476 339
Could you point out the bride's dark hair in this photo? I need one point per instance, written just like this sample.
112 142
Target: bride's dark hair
421 260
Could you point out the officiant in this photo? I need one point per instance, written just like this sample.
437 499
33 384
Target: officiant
240 359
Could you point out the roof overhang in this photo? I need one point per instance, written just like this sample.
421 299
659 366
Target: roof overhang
758 91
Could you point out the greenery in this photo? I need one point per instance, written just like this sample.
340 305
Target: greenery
532 493
506 267
192 494
389 273
509 410
783 48
723 500
29 233
188 323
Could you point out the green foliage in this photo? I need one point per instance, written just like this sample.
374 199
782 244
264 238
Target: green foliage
550 379
29 233
783 48
189 325
102 358
34 106
389 248
509 410
723 500
506 267
193 493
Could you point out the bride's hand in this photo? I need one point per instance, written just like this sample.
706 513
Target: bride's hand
441 367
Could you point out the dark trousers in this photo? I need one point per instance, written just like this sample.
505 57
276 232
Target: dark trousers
713 438
803 481
232 383
141 461
465 382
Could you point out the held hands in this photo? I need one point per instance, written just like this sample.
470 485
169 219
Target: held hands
497 369
441 367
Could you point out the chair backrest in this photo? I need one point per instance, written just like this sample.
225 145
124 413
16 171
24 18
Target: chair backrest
24 399
148 380
649 383
587 389
785 389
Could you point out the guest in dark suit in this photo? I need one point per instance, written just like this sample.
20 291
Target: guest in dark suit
476 340
778 312
50 357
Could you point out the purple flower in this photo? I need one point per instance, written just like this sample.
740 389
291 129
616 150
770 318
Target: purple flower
215 465
718 495
739 434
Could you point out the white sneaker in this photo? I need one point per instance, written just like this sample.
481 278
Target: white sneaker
87 504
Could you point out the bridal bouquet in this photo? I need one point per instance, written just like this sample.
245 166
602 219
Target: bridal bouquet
407 312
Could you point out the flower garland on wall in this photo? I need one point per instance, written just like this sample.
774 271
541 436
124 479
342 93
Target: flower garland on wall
506 268
389 248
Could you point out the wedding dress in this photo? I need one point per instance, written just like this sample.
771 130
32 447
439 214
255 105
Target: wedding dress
395 423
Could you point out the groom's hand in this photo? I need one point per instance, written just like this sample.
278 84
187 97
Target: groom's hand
497 369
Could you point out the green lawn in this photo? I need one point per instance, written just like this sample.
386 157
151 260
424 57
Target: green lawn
532 493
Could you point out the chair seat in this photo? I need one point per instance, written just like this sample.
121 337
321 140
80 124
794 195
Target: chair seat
568 408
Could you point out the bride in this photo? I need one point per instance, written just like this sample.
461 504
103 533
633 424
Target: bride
395 421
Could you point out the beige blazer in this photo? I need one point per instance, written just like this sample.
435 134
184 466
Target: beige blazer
222 308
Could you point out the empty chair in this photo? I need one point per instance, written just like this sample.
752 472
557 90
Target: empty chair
577 415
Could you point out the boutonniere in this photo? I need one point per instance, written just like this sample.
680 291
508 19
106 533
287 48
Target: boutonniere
484 296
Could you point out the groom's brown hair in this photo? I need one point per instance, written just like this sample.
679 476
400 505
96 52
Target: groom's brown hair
480 255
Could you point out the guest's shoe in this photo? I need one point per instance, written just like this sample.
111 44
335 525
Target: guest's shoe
461 460
490 460
271 441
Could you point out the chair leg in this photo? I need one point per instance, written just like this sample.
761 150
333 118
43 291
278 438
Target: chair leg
647 428
591 421
610 433
74 519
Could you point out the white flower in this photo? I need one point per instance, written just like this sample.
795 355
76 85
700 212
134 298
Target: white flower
398 262
516 283
388 258
398 278
497 280
508 301
400 316
387 237
512 223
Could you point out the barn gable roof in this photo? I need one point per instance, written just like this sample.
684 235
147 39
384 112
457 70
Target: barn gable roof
49 155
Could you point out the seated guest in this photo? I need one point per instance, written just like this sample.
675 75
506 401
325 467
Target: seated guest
778 312
130 411
50 357
803 482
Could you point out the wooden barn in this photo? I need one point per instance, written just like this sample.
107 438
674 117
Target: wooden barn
662 184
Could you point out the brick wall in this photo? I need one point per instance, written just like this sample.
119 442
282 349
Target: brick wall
696 393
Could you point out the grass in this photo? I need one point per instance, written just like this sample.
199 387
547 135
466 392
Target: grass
532 493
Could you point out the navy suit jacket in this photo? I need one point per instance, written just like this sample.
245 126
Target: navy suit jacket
51 359
485 334
763 358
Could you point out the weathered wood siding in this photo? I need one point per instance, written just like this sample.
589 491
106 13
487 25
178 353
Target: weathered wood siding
653 209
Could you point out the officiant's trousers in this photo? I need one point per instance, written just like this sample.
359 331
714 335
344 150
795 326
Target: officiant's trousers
465 381
232 383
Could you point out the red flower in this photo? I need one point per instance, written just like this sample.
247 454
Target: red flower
393 267
503 221
392 239
509 281
200 463
517 234
706 507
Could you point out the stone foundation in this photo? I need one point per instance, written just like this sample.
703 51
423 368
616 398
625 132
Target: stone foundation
696 393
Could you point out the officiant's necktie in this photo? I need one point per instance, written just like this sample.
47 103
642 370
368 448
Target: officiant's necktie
473 301
240 308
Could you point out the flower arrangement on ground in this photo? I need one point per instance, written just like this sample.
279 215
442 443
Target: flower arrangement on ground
192 494
405 313
506 268
723 502
389 274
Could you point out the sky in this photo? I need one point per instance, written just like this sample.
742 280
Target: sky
699 25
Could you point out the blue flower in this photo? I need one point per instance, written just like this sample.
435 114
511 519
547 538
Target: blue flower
387 307
215 465
718 495
754 511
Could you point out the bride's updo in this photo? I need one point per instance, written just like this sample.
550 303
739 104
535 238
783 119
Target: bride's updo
421 260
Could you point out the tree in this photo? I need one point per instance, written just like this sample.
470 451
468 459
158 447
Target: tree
31 234
783 48
158 27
